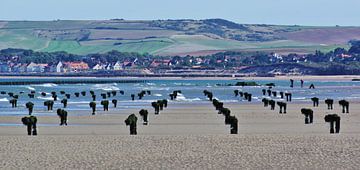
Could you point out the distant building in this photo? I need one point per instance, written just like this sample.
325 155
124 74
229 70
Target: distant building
128 65
59 67
36 68
75 66
117 66
157 63
98 67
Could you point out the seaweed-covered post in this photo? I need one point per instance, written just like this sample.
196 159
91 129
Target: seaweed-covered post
315 101
281 94
103 95
288 97
30 107
274 93
144 114
265 101
156 106
269 92
233 125
77 94
165 102
264 92
49 104
13 102
132 97
63 116
93 107
308 113
171 96
161 104
291 83
114 101
113 93
131 121
31 96
333 118
64 102
236 93
30 122
282 106
272 104
83 93
105 104
329 103
345 106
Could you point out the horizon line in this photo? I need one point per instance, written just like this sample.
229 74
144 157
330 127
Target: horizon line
122 19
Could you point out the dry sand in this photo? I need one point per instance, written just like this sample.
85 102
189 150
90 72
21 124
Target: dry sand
186 136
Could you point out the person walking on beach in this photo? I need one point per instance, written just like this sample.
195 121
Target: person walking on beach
312 86
291 83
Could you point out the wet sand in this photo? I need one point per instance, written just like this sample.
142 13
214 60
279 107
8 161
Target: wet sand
186 136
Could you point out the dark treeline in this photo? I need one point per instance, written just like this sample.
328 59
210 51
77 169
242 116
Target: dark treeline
338 61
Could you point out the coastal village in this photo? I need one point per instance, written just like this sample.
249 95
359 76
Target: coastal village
216 64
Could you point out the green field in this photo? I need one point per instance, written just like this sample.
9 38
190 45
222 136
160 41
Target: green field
142 37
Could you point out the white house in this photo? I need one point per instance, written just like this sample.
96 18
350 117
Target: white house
59 67
117 66
37 68
98 67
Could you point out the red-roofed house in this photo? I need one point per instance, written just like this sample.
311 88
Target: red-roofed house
75 66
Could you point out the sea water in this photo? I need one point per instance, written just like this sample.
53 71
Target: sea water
192 92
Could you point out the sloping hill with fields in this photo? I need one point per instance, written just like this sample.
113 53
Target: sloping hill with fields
169 37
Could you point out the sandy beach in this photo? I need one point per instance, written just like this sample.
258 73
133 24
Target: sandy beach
186 136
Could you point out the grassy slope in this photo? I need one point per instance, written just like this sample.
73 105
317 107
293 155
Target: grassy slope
20 35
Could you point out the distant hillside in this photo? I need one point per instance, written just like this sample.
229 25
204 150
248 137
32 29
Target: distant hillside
169 37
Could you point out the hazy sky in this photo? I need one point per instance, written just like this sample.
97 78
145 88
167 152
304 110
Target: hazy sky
301 12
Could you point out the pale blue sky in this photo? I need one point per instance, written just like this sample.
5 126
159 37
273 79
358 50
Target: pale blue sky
301 12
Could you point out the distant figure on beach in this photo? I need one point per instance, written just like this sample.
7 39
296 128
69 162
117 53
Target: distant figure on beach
30 122
131 121
291 83
312 86
302 83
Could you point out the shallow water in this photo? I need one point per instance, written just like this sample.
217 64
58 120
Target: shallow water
192 92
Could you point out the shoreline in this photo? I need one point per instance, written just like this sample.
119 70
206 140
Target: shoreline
304 77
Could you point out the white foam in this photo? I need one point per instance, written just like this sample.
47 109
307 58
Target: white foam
105 87
46 85
45 98
157 94
30 88
181 97
4 100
